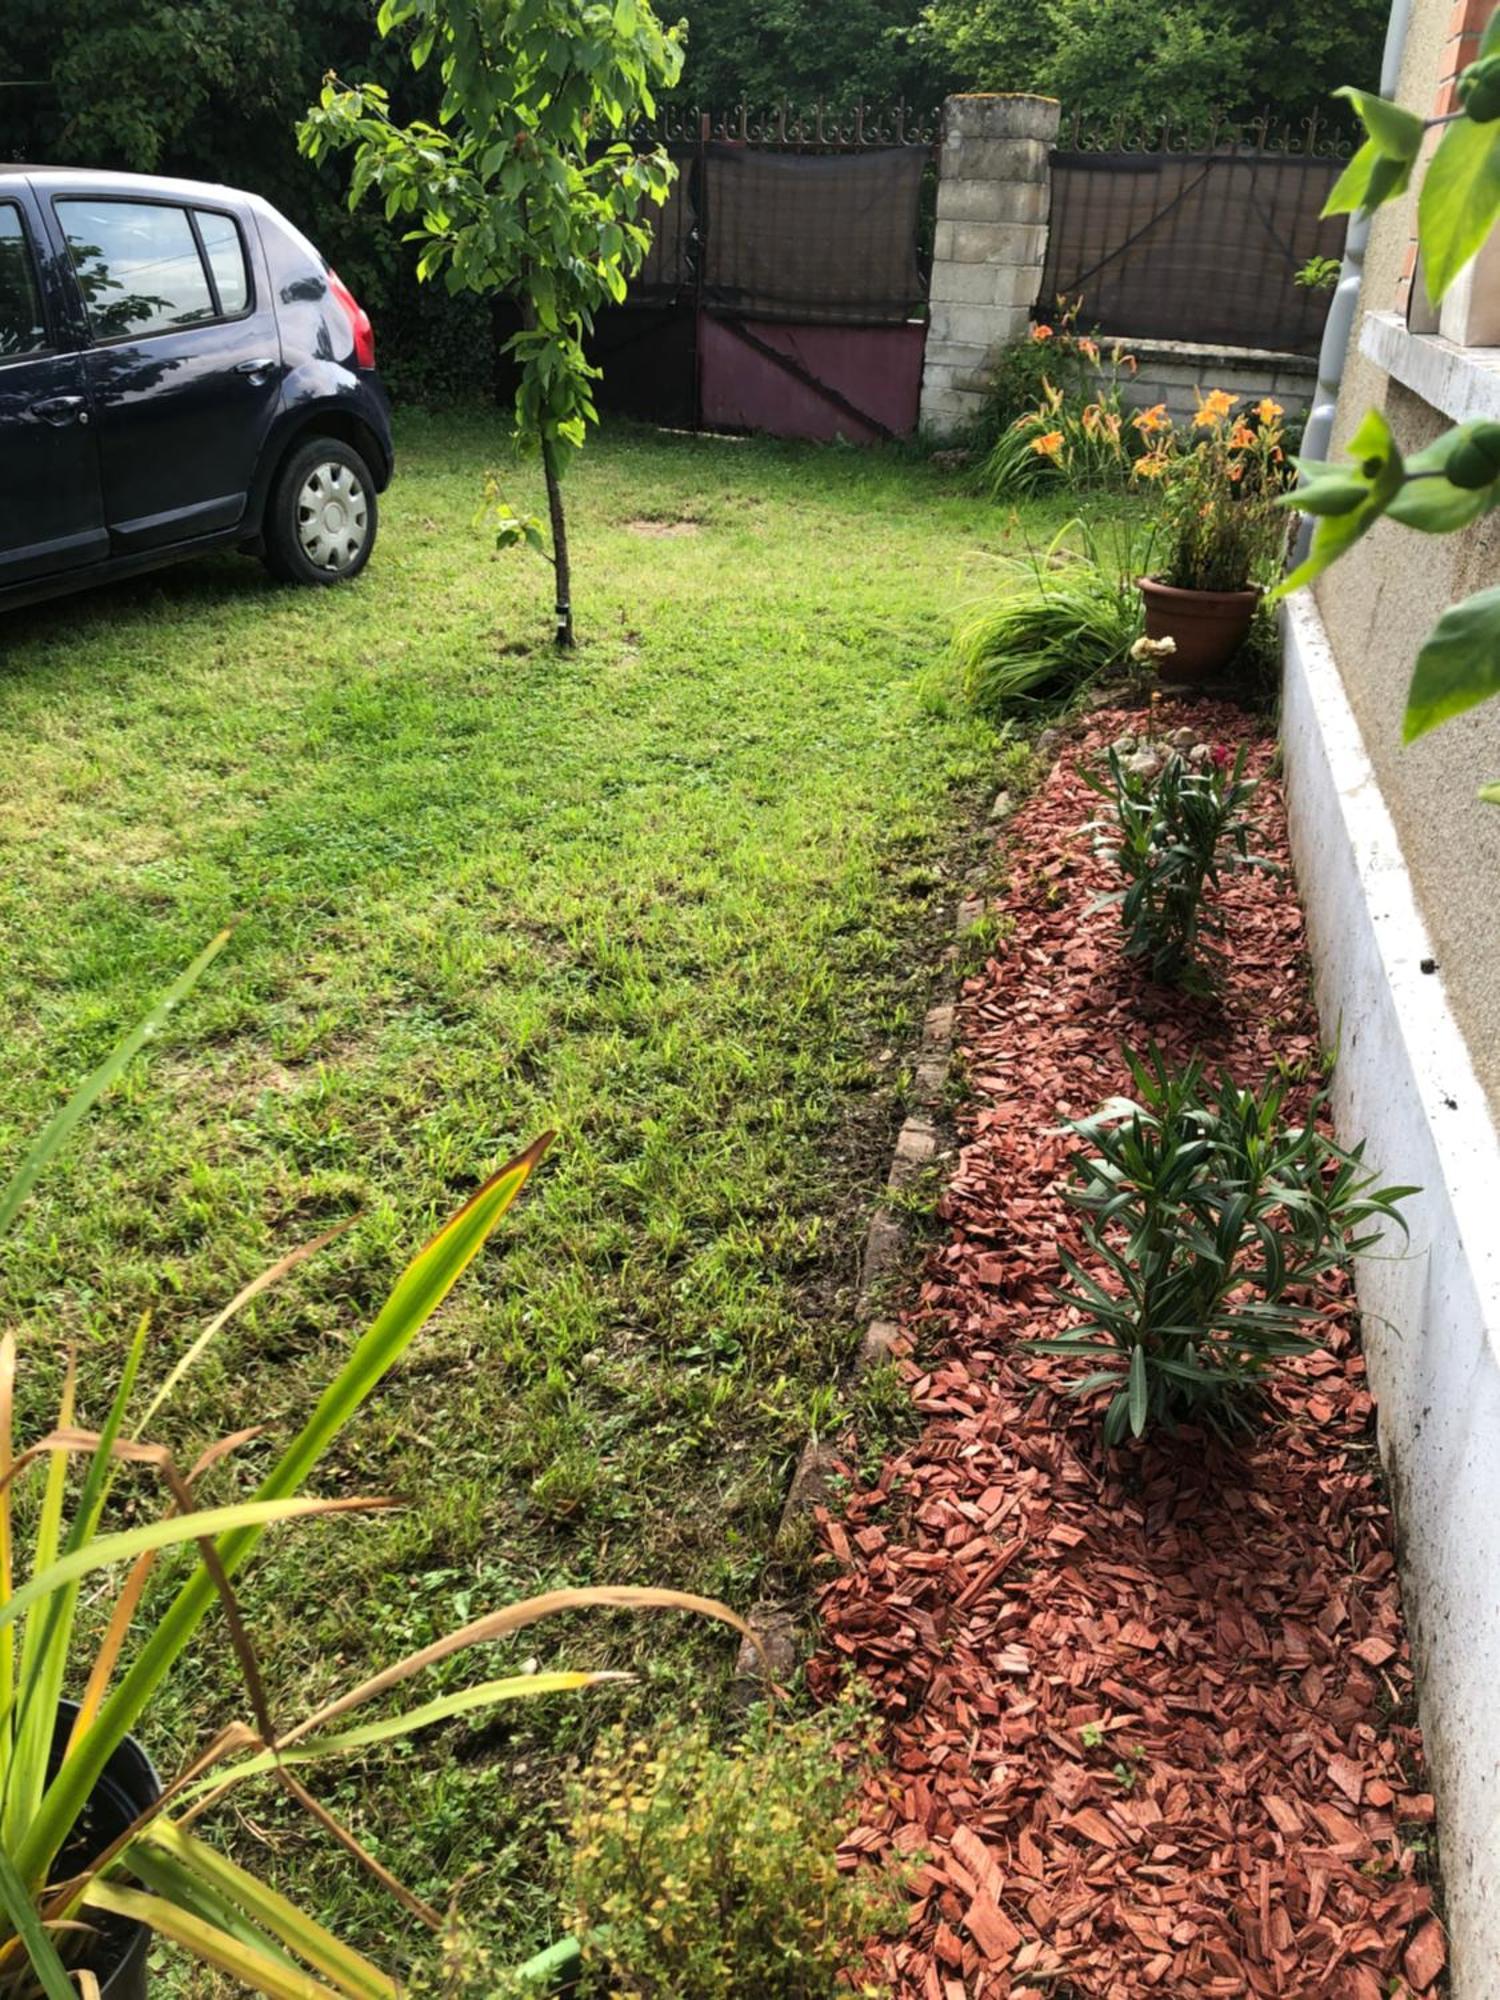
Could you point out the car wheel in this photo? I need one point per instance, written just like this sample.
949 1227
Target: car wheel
322 515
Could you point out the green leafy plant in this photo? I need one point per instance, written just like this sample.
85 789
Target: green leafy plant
1209 1214
56 1880
709 1872
529 186
1454 481
1174 835
1318 274
1060 619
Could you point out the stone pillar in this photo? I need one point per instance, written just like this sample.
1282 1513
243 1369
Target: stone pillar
994 186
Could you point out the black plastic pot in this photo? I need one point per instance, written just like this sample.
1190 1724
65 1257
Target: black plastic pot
126 1787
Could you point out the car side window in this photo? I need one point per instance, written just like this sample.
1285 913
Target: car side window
23 325
226 259
138 266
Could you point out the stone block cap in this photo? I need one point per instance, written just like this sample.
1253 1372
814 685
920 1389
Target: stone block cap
1001 115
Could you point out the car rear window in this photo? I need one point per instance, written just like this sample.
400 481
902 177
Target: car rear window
138 266
226 259
23 329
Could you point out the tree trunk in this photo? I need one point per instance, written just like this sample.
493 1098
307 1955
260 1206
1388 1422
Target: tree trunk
561 566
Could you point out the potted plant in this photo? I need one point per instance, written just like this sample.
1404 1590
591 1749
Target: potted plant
95 1853
1220 528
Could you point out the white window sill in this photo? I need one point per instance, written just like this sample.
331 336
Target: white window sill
1462 382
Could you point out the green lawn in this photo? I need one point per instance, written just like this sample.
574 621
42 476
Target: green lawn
672 895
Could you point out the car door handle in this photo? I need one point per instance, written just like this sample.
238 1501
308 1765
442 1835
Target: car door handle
61 410
257 369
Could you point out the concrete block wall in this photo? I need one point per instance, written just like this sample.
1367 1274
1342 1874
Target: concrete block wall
1175 371
992 199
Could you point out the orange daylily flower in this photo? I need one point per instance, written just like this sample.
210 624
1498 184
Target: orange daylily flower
1089 347
1041 333
1214 408
1048 445
1154 419
1154 465
1241 436
1268 411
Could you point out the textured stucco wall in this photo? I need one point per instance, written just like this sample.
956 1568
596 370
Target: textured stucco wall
1377 605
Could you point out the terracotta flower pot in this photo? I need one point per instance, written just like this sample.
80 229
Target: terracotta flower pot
1207 626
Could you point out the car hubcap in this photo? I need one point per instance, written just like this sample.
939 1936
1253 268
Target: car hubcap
333 516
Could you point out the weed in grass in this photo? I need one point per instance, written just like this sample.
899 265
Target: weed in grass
710 1872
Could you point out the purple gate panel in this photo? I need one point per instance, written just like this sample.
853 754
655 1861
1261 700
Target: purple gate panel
860 383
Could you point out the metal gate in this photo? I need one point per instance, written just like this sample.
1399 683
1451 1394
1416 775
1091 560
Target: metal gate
1195 244
785 291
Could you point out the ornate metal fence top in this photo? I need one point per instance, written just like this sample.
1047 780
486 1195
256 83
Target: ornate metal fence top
821 128
1314 138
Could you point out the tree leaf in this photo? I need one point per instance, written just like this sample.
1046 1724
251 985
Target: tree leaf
1459 665
1371 177
1395 132
1381 465
1460 201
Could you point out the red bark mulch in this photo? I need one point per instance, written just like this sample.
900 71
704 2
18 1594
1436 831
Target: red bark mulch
1148 1713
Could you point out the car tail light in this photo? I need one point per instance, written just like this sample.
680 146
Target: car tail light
359 321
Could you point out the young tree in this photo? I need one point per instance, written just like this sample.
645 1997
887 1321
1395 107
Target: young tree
529 185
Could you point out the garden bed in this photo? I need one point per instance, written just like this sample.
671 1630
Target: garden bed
1149 1713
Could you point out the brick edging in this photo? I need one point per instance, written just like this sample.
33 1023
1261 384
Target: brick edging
920 1141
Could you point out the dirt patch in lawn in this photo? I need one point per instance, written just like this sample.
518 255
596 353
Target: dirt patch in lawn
664 530
1148 1712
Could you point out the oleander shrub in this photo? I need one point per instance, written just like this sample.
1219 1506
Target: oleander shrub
1211 1212
1174 834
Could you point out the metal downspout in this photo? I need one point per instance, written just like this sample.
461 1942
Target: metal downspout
1345 301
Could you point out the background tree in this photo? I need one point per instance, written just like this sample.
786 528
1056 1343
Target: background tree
1146 60
528 186
844 52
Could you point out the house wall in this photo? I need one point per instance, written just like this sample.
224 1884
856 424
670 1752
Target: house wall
1378 604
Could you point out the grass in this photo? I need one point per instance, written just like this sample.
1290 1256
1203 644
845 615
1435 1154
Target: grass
671 895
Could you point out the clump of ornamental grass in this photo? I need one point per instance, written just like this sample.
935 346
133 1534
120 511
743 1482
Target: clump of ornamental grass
708 1871
1060 619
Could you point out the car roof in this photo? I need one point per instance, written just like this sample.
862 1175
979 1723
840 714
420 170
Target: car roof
164 186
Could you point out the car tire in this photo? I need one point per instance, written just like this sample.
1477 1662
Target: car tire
322 516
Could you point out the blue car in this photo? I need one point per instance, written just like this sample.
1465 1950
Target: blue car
180 370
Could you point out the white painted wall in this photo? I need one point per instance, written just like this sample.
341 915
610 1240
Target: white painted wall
1405 1082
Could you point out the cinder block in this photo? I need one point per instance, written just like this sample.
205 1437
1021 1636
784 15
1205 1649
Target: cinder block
988 327
995 160
1001 285
989 243
993 201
